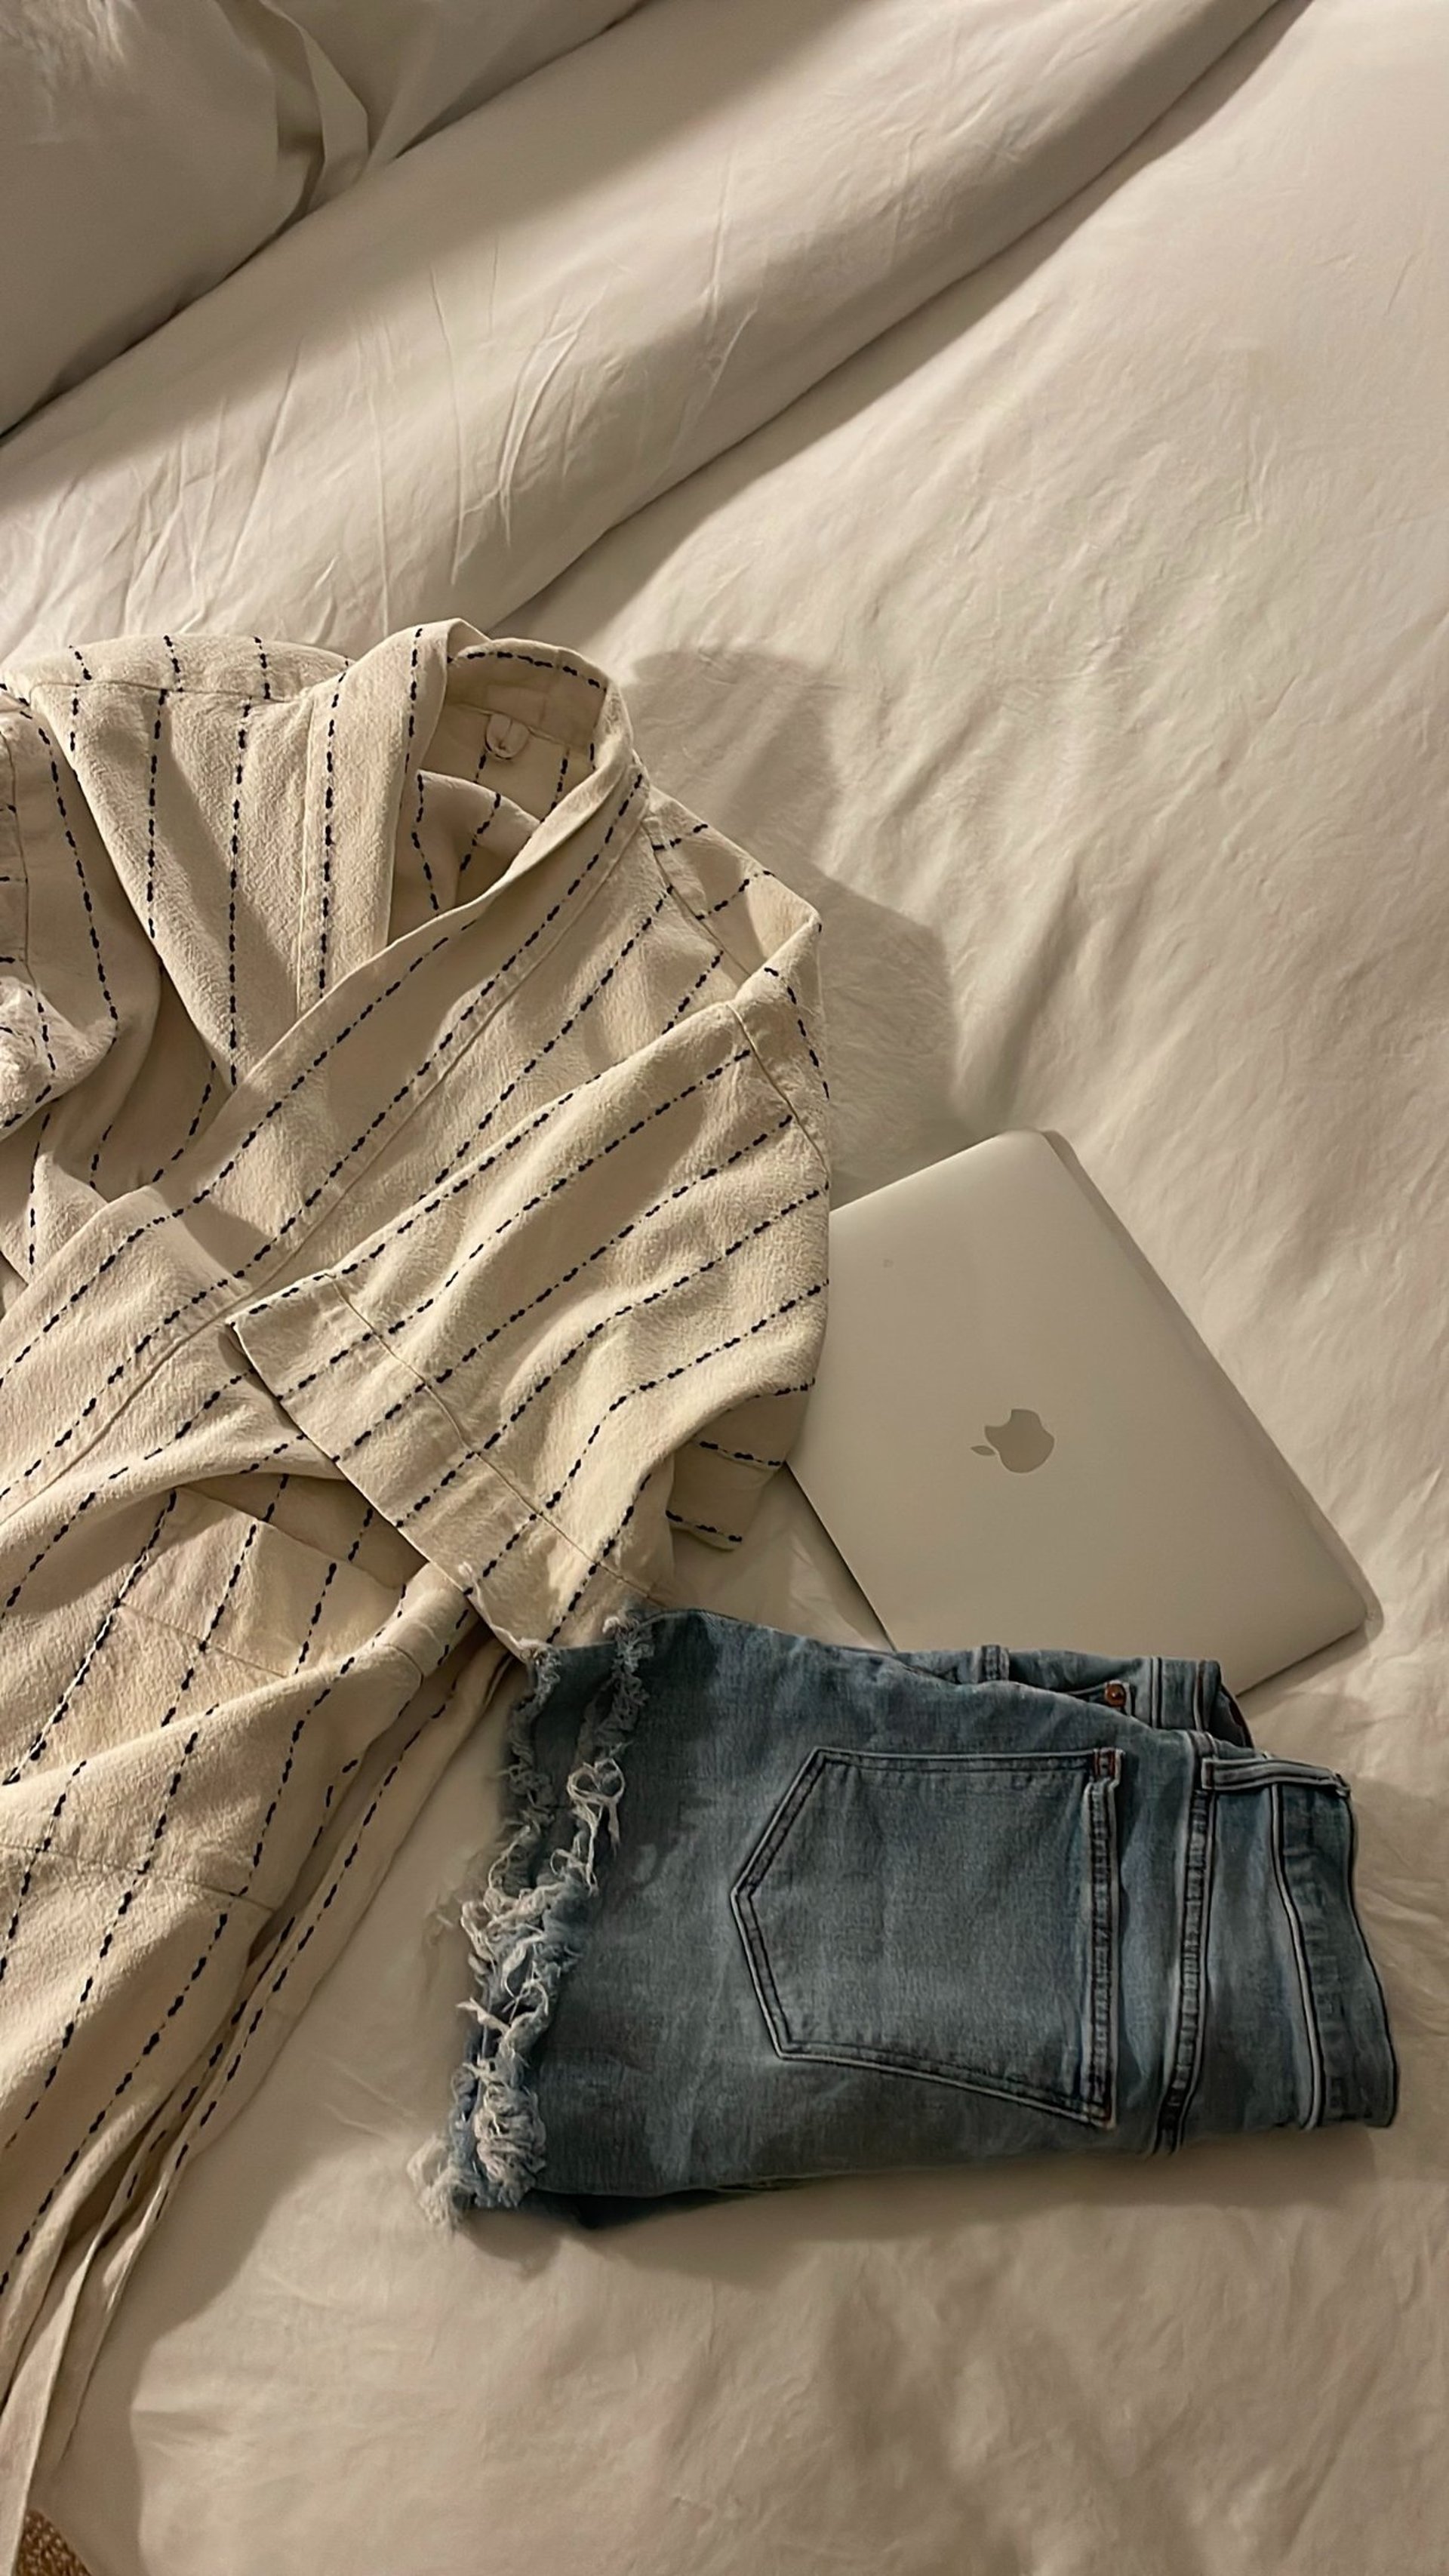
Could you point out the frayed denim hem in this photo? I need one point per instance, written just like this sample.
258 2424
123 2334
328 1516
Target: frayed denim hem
525 1928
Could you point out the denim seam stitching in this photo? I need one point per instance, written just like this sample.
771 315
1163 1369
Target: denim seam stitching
1192 1961
959 2079
742 1895
1312 2033
1099 2085
1199 2050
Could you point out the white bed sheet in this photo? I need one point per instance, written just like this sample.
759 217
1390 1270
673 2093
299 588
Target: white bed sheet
429 397
1081 650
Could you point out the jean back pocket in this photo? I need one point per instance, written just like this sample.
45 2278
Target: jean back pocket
951 1917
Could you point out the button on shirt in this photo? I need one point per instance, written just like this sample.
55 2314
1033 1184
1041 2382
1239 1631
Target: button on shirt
412 1203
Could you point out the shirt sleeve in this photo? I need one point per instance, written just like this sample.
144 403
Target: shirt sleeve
509 1369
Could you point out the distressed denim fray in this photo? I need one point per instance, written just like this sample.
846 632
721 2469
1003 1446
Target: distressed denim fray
769 1909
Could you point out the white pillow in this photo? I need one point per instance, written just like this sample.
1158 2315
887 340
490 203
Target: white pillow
414 65
148 147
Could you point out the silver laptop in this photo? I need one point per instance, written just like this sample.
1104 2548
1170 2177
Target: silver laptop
1016 1437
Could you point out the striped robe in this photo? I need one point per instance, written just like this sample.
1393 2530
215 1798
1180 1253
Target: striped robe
412 1207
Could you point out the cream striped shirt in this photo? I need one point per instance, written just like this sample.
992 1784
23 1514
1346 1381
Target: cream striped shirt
413 1194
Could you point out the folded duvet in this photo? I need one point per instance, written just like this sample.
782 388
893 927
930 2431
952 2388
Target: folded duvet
432 395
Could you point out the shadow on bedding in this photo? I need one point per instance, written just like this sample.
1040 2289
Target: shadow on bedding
746 739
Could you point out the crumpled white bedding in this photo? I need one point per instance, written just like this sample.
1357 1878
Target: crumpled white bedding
1080 650
146 151
443 386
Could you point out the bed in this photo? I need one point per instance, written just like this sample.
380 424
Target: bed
1002 459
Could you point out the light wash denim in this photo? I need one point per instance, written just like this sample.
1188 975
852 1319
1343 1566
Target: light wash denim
771 1909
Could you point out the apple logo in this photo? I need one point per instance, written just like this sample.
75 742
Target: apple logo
1021 1442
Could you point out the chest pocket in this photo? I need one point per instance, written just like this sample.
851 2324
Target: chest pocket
947 1917
211 1713
250 1594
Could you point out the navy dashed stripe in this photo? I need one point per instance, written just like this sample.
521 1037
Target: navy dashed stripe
310 1638
36 1857
636 1305
280 1979
753 876
439 1194
800 1025
705 1529
696 988
175 1157
30 1204
466 1458
199 1197
158 1830
650 1385
535 661
417 841
677 840
597 1565
741 1457
484 827
413 685
67 1524
204 1642
232 880
682 1189
529 1521
58 1714
329 800
161 696
428 1385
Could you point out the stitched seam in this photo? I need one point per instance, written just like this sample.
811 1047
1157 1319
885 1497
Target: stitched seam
174 688
424 1386
963 2080
61 1710
697 921
47 1090
442 1190
651 1385
103 1872
35 1853
1086 2109
228 1654
1192 1964
739 1457
772 1078
636 1305
1311 2031
206 1955
704 1529
329 782
247 1294
1099 2087
398 1323
423 957
141 1870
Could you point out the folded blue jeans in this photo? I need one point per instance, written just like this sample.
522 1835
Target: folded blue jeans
770 1909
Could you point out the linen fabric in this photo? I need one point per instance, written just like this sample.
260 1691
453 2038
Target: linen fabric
412 1199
